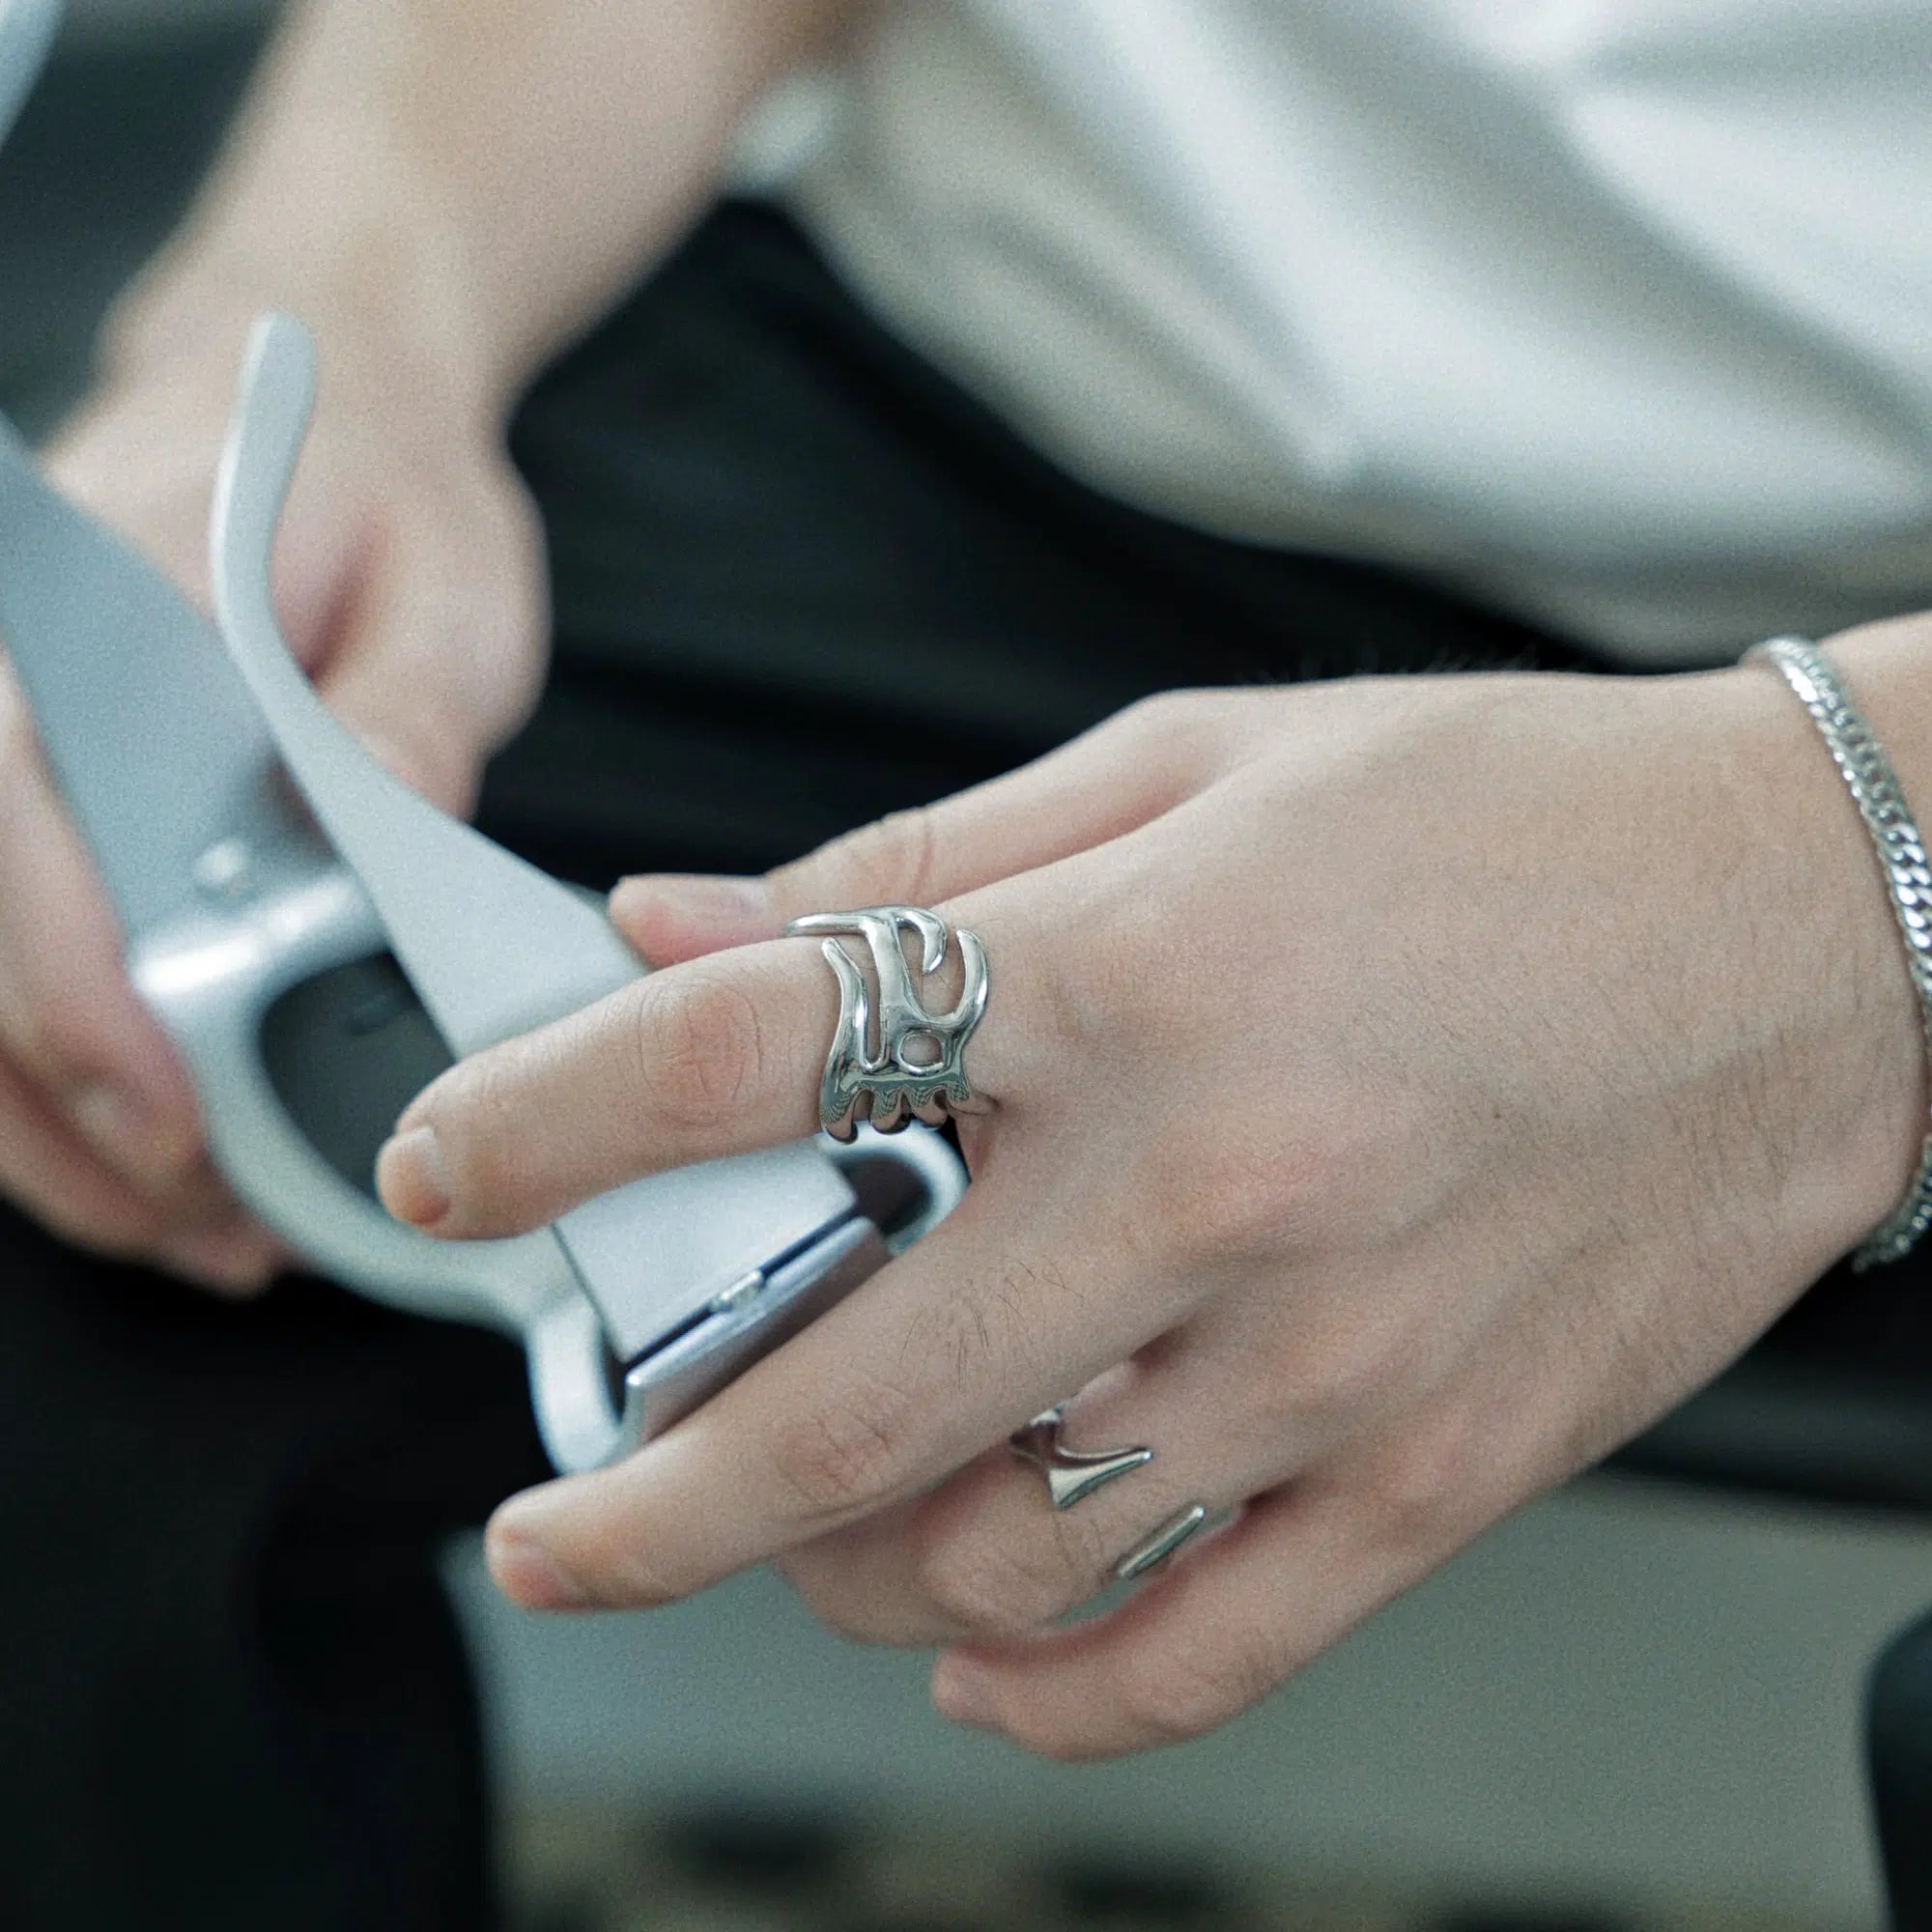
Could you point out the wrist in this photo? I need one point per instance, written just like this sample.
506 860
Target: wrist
1827 957
377 271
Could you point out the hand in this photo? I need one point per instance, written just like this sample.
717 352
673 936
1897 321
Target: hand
411 585
1404 1093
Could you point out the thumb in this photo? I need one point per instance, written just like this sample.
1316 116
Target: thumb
1113 780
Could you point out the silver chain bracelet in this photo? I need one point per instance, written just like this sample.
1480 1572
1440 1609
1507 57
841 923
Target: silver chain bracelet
1901 856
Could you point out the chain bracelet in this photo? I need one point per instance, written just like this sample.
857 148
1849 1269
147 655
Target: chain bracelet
1901 856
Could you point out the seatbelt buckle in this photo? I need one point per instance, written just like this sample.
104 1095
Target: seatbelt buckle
319 942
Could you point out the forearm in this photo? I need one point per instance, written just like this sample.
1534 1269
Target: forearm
488 174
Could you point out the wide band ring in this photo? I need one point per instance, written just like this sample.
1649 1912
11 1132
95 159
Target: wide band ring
891 1061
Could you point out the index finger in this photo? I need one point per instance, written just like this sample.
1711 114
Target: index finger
989 1319
688 1065
718 1057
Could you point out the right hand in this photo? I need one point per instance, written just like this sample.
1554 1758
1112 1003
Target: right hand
410 581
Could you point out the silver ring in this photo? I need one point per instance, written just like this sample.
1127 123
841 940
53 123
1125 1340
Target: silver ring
1071 1474
899 1063
1162 1544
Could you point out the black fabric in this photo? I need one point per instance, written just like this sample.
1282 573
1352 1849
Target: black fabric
234 1696
800 579
799 582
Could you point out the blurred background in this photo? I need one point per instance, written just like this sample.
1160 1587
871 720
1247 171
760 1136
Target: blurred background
1635 1705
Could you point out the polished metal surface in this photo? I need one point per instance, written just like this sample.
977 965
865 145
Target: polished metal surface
1162 1544
1070 1473
154 739
891 1057
1905 870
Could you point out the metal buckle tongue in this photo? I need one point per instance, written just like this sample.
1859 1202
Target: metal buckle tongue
243 921
690 1274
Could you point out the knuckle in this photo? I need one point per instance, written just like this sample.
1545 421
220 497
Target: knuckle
1424 1489
1070 1007
1233 1198
891 857
128 1239
60 1035
523 603
987 1590
475 1117
615 1569
1350 1365
128 1231
1172 722
854 1617
1058 1745
611 1556
431 748
987 1322
1278 1194
847 1455
1154 717
701 1051
903 848
1173 1699
1341 1367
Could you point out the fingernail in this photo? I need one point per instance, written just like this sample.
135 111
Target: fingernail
963 1693
412 1179
527 1573
707 899
126 1134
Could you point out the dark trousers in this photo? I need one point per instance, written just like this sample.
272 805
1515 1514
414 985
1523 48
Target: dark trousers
800 581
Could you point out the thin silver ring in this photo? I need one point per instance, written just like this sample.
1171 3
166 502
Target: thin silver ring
891 1061
1072 1474
1162 1542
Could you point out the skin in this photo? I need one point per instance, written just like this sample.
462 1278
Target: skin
400 179
411 585
1447 1075
1403 1091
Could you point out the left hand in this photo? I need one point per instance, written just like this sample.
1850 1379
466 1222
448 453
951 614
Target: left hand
1404 1091
411 585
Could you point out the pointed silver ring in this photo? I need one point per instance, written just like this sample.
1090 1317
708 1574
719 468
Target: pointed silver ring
1072 1474
1154 1550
